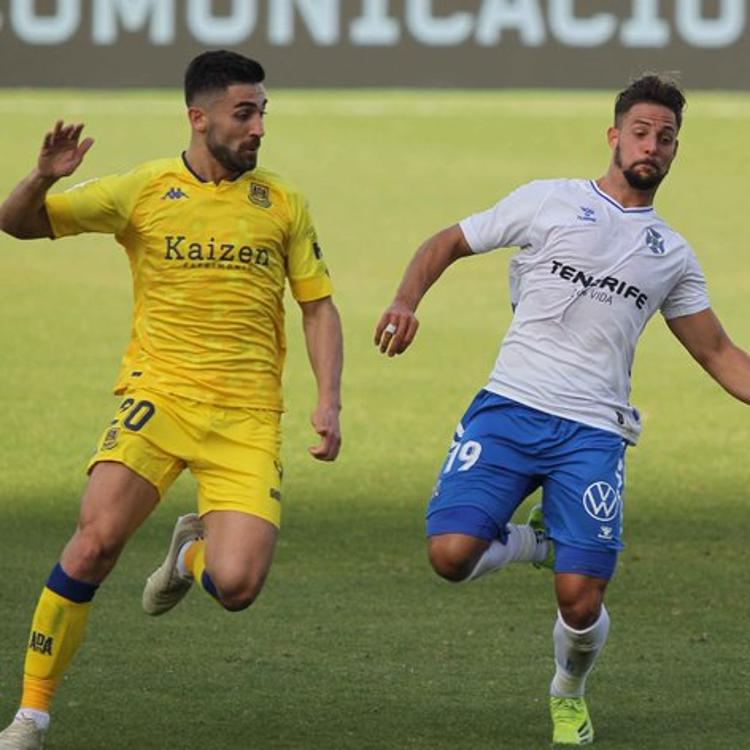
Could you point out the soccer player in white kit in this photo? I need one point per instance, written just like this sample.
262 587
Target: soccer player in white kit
595 262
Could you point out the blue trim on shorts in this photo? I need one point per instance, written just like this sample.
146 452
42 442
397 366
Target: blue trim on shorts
589 562
77 591
464 519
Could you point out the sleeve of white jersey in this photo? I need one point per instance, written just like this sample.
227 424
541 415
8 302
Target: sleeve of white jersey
689 295
509 223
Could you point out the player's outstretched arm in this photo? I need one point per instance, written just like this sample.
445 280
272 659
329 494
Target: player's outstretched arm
398 325
325 347
22 214
703 336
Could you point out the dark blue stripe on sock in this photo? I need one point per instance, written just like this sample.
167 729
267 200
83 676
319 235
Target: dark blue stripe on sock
77 591
208 585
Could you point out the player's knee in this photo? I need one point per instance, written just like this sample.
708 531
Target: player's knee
237 593
91 553
582 612
450 559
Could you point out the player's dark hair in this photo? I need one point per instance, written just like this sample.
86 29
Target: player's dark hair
651 87
216 70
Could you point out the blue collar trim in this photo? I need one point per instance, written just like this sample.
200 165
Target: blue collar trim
609 199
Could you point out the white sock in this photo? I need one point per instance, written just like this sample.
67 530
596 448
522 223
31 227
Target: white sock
40 718
575 654
522 545
181 567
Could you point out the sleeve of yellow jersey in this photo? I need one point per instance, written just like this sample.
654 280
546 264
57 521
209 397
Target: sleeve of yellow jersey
101 205
307 272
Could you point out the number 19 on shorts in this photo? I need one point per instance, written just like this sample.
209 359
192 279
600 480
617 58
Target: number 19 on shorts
462 455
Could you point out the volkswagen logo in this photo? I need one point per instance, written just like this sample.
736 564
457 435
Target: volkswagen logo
601 501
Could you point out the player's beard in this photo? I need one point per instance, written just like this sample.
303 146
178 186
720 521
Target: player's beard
237 161
639 181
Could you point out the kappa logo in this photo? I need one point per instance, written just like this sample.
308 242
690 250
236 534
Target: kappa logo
587 214
259 195
601 501
655 242
174 194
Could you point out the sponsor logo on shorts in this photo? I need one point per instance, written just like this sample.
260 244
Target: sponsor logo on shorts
110 439
41 643
601 501
275 494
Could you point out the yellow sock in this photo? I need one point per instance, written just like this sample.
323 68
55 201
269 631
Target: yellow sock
56 632
195 562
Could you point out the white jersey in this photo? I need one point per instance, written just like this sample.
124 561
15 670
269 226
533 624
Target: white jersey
588 276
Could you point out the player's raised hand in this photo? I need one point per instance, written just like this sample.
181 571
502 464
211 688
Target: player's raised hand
325 421
396 329
61 152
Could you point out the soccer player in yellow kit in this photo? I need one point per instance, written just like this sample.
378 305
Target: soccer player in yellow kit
211 240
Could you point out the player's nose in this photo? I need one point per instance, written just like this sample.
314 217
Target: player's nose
257 128
650 144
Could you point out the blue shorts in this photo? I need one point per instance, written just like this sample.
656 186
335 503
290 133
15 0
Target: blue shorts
502 451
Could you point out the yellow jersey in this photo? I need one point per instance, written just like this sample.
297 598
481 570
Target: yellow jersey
209 265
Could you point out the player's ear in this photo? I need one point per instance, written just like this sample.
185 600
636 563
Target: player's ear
613 135
198 119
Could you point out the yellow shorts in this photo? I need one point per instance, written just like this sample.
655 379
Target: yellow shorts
232 453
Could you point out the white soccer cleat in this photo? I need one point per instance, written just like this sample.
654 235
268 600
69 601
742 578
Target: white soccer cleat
165 587
22 734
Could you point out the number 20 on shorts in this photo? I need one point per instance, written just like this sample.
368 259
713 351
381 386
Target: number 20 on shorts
138 413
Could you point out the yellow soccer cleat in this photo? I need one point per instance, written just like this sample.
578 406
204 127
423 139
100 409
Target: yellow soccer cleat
571 723
22 734
165 587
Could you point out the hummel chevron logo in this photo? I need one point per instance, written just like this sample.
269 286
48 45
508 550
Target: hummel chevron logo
174 194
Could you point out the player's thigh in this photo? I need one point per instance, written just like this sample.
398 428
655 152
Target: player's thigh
115 503
583 502
485 475
238 467
150 435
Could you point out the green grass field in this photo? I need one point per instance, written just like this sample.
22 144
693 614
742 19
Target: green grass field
355 644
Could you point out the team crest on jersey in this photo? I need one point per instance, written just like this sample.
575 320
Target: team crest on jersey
655 242
259 195
110 439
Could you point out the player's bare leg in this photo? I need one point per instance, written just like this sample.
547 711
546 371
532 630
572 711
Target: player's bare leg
230 561
239 551
579 635
460 557
116 501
